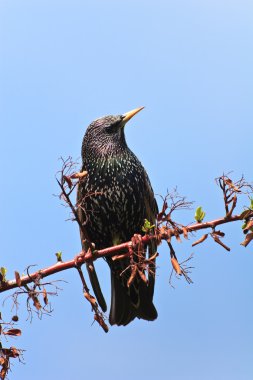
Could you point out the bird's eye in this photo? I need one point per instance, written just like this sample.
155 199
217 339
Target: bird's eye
113 127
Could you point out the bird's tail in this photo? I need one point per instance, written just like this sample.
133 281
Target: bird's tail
134 301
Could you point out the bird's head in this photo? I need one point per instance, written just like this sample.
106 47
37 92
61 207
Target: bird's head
106 134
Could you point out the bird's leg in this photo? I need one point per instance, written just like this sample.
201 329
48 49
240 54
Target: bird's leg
138 246
132 266
88 251
79 259
140 253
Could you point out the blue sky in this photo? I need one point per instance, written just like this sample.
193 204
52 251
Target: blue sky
65 63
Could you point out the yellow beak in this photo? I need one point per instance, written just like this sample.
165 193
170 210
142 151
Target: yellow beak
128 115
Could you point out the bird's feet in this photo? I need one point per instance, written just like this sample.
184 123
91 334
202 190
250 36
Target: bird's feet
79 259
138 247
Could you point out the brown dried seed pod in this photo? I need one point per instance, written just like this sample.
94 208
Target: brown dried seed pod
176 266
203 238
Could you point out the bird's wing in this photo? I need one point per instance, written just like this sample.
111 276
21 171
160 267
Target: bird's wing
150 201
152 211
84 236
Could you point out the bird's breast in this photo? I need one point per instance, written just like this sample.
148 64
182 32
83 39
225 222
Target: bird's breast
114 199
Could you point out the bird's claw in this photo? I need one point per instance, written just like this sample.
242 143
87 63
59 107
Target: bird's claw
136 240
79 259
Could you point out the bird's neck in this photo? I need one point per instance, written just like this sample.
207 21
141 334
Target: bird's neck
104 150
109 153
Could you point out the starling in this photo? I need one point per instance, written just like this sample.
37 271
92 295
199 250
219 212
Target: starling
113 201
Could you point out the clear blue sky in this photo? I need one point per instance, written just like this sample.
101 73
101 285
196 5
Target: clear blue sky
65 63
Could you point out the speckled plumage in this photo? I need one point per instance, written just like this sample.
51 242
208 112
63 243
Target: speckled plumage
115 198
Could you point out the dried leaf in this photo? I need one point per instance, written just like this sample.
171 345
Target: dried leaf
230 184
68 180
248 239
152 258
5 368
36 302
217 240
101 322
18 279
90 298
185 232
142 276
163 230
15 318
176 266
79 175
132 277
203 238
12 332
15 353
219 233
177 236
11 352
45 298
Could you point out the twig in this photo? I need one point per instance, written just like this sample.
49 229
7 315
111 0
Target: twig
98 315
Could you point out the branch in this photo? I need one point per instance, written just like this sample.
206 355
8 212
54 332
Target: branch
162 233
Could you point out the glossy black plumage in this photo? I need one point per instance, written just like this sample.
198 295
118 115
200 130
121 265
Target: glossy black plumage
113 201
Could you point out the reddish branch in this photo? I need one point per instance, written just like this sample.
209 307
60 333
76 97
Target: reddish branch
166 227
162 233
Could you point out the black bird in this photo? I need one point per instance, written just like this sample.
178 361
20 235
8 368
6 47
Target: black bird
113 201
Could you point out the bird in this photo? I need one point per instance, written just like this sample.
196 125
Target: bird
113 201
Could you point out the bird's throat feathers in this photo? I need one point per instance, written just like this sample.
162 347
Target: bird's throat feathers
106 158
103 148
